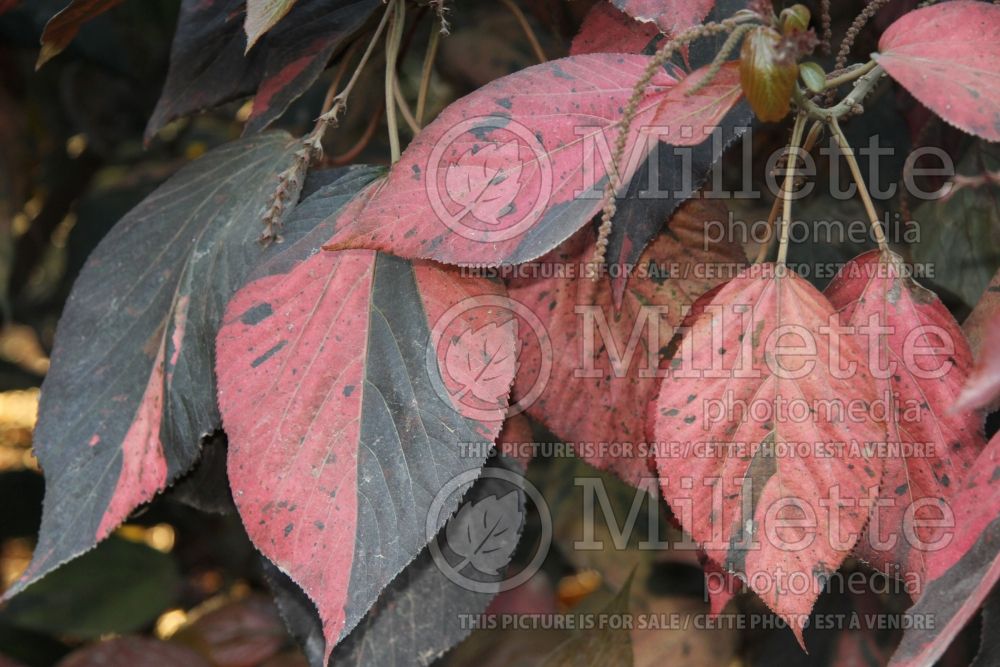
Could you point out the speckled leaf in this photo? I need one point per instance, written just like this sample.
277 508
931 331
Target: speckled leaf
596 384
608 30
670 16
418 616
893 316
763 341
344 418
554 121
130 393
948 57
964 571
690 117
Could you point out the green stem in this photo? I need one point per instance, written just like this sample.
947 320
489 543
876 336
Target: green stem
392 43
786 194
765 247
425 75
866 83
851 75
866 199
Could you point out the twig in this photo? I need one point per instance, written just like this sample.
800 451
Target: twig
807 145
850 75
425 75
786 195
351 154
391 54
339 102
526 27
866 199
291 180
846 106
404 107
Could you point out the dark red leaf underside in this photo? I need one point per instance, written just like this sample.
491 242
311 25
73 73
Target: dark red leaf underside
62 28
507 173
130 392
132 651
208 66
980 321
670 16
346 391
982 328
964 571
947 56
892 317
747 350
604 363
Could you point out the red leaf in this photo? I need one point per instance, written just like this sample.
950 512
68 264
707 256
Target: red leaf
893 317
547 129
720 585
670 16
962 572
948 57
604 363
345 417
62 28
688 118
607 30
764 341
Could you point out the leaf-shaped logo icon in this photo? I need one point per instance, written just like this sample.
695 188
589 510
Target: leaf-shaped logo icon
478 363
485 533
484 181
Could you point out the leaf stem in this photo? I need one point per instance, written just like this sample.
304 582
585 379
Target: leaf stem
392 43
522 20
765 247
425 75
850 75
865 84
404 107
866 199
786 194
333 106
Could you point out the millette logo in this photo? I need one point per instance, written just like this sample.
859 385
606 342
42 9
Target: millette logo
489 179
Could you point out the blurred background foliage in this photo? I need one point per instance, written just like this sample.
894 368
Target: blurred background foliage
73 162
